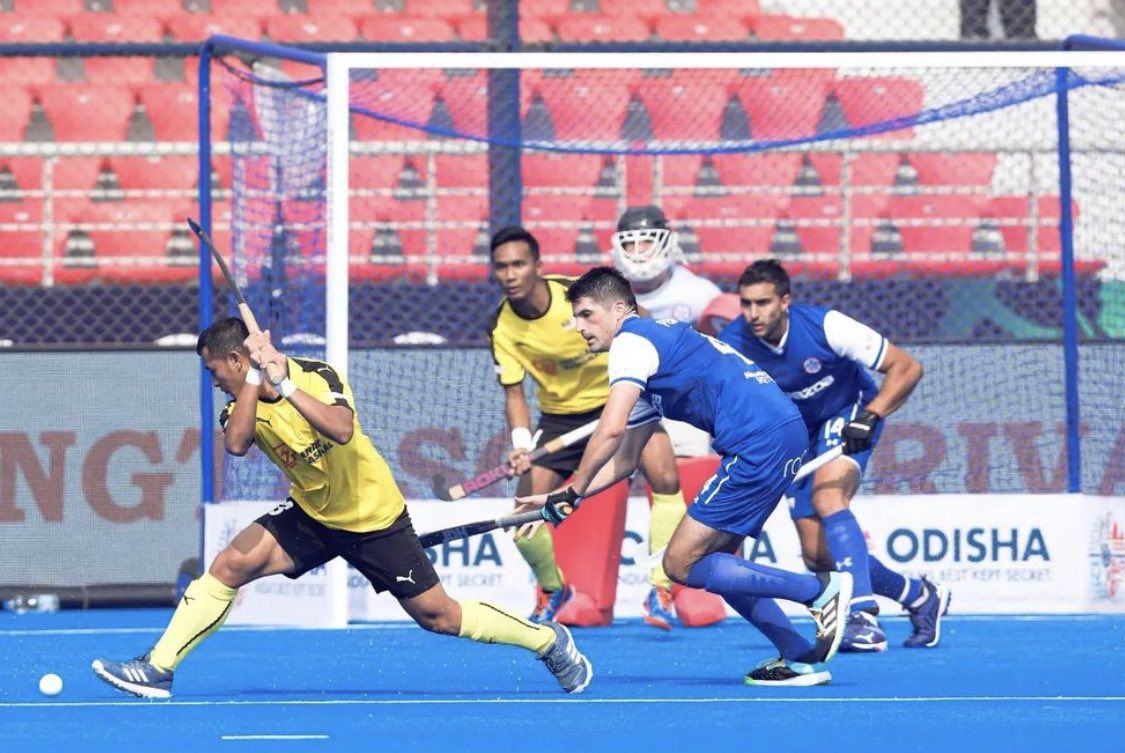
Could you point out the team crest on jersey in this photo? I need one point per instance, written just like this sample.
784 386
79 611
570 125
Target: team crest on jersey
812 365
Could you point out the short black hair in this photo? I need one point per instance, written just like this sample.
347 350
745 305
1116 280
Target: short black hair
224 336
513 233
604 285
766 270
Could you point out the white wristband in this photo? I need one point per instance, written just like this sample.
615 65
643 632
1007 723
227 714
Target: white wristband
253 376
285 388
521 438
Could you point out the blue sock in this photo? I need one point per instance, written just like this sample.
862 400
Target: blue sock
887 582
767 616
849 549
725 574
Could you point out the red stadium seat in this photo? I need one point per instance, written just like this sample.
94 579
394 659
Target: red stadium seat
954 168
50 8
766 169
648 10
119 71
108 27
398 95
162 9
26 171
877 99
687 106
21 29
32 72
83 112
782 106
1014 217
556 170
555 221
257 8
744 10
401 29
818 220
77 173
681 170
15 114
728 224
466 98
700 29
461 170
460 222
547 10
947 222
594 28
174 112
21 253
406 217
130 242
195 27
166 173
874 168
789 28
353 9
372 171
532 30
450 10
302 28
589 105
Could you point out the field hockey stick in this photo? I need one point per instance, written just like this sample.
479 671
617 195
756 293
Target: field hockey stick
806 470
466 530
243 307
448 493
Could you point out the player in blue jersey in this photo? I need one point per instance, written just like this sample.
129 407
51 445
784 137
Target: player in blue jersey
665 368
821 358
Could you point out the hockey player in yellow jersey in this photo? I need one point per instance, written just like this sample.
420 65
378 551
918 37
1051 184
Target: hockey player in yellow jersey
343 502
532 334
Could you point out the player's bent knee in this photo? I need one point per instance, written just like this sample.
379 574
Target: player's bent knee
676 567
234 569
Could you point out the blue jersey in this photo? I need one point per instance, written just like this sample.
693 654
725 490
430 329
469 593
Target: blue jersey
821 363
691 377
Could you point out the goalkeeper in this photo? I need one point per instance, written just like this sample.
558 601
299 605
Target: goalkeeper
532 333
821 358
343 502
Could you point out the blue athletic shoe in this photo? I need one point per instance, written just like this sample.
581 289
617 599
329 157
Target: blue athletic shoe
658 608
926 617
826 610
550 603
136 676
569 665
781 672
862 634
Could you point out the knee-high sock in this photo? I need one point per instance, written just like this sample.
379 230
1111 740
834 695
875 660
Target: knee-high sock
727 574
667 512
849 549
486 623
767 616
888 583
202 611
539 552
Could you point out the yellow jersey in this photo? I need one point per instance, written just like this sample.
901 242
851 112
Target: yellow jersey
348 486
569 377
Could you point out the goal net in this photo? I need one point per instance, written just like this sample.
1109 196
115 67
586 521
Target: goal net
920 198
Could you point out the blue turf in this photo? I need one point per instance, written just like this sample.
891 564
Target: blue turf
994 685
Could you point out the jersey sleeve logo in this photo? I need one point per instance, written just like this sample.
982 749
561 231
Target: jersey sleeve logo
812 365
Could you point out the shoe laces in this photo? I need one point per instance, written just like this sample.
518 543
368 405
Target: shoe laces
664 595
818 620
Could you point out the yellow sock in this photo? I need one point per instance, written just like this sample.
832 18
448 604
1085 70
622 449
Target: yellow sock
667 512
485 623
539 551
202 611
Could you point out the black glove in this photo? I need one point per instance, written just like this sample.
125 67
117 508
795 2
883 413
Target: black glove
560 505
860 432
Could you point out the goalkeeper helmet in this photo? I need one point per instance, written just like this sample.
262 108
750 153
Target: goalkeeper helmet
644 245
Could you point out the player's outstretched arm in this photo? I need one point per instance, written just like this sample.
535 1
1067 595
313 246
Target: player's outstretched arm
903 372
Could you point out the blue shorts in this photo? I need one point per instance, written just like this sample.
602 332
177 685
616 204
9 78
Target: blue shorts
745 490
828 435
